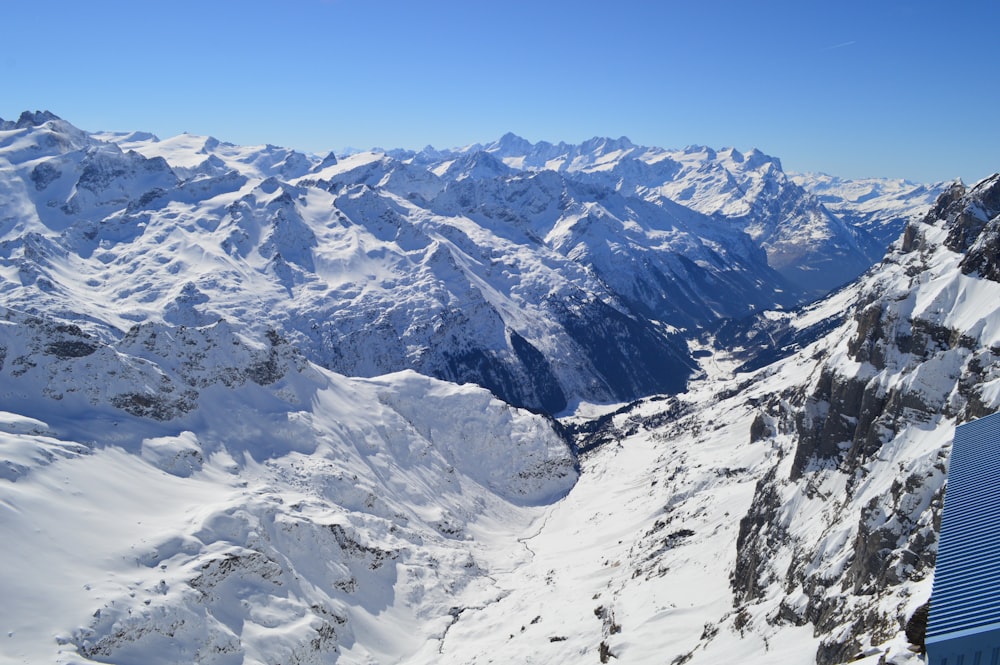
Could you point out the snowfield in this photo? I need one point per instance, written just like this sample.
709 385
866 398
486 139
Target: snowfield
314 517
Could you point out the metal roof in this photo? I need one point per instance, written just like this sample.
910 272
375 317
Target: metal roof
966 593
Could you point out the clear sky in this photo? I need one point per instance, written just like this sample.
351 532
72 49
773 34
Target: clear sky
891 88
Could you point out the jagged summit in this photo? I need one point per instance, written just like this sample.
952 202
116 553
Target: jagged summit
30 119
479 164
35 118
511 143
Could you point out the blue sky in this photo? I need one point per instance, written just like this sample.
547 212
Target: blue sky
875 88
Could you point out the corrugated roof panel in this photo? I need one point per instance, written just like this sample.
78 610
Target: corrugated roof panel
966 592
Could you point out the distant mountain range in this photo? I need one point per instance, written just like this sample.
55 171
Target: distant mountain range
507 265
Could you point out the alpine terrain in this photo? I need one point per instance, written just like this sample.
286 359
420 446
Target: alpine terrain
512 402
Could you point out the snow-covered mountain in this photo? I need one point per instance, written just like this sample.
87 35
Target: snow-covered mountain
358 276
469 265
814 246
879 206
190 495
222 439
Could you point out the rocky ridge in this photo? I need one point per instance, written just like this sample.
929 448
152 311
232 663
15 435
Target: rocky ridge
918 355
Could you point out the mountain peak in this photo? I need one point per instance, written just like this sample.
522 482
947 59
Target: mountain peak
511 142
699 150
603 144
755 159
478 164
35 119
29 119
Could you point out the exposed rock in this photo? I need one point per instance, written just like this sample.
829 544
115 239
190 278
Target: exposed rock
156 406
44 175
983 257
892 372
34 119
916 627
69 349
760 534
761 428
967 216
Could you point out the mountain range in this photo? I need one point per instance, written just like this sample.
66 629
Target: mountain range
530 401
507 265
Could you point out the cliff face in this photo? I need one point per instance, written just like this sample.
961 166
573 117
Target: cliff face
919 354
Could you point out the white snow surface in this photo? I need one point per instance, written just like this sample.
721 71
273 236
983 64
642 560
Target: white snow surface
375 262
314 516
871 198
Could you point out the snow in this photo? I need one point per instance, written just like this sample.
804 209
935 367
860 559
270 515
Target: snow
194 490
380 249
74 535
590 551
213 534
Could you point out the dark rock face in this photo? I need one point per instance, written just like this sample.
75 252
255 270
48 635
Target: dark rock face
847 418
755 543
540 375
983 257
44 175
894 542
966 217
827 421
160 407
916 627
34 119
945 206
884 548
71 341
494 372
977 372
843 422
630 359
760 428
69 349
629 355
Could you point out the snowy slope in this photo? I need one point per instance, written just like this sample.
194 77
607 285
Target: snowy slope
880 206
346 258
196 496
506 266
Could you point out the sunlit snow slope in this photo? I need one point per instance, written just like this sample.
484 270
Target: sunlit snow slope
485 264
193 496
